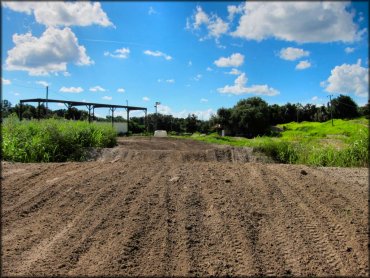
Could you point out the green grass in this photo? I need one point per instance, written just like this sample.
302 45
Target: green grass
320 144
52 140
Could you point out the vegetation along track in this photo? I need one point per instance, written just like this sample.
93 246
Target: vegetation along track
171 207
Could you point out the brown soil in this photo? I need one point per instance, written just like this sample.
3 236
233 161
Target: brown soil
174 207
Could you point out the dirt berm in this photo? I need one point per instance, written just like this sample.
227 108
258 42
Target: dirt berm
170 207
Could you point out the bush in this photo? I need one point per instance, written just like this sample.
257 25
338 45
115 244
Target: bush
53 140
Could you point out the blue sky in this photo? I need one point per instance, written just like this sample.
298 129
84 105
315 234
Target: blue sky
193 57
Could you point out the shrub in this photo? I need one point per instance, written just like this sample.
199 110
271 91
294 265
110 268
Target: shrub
53 140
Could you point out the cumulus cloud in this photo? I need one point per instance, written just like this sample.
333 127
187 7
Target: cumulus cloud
292 53
5 81
60 13
303 65
48 54
190 63
346 79
302 22
214 24
170 80
209 69
97 89
146 99
75 90
157 54
203 100
235 60
239 88
349 50
120 90
233 10
121 53
107 98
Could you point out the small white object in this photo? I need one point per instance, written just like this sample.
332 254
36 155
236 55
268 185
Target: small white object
160 133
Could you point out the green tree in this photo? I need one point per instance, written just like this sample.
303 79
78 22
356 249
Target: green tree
344 107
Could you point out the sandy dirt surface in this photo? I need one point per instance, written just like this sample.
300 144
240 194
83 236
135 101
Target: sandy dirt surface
175 207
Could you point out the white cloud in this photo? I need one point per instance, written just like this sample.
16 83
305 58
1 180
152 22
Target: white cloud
66 74
349 49
203 100
292 53
302 22
214 24
157 54
234 72
48 54
303 65
170 80
232 10
209 69
235 60
197 77
347 79
60 104
120 90
107 98
201 114
151 11
314 98
217 27
97 89
190 63
5 81
239 88
200 17
42 83
146 99
62 13
121 53
75 90
16 94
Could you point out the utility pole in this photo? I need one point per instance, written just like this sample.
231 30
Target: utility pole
156 113
331 111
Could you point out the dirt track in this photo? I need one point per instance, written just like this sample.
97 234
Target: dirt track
173 207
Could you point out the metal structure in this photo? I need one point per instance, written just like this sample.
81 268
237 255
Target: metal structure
89 105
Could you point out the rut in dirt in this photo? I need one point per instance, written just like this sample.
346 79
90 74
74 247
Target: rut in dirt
180 208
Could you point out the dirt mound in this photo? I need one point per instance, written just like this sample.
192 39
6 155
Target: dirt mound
159 149
162 211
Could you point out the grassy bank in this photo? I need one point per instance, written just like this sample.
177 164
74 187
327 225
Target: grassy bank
52 140
345 144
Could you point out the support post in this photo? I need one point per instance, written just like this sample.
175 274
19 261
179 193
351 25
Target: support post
128 119
146 121
89 108
93 113
112 108
47 95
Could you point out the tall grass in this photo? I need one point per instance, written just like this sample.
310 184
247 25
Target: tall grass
52 140
346 144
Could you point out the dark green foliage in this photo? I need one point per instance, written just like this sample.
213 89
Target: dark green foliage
344 108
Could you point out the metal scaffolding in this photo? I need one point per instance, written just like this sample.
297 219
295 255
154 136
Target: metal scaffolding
89 105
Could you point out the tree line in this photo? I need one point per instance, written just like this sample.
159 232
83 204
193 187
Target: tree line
249 117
